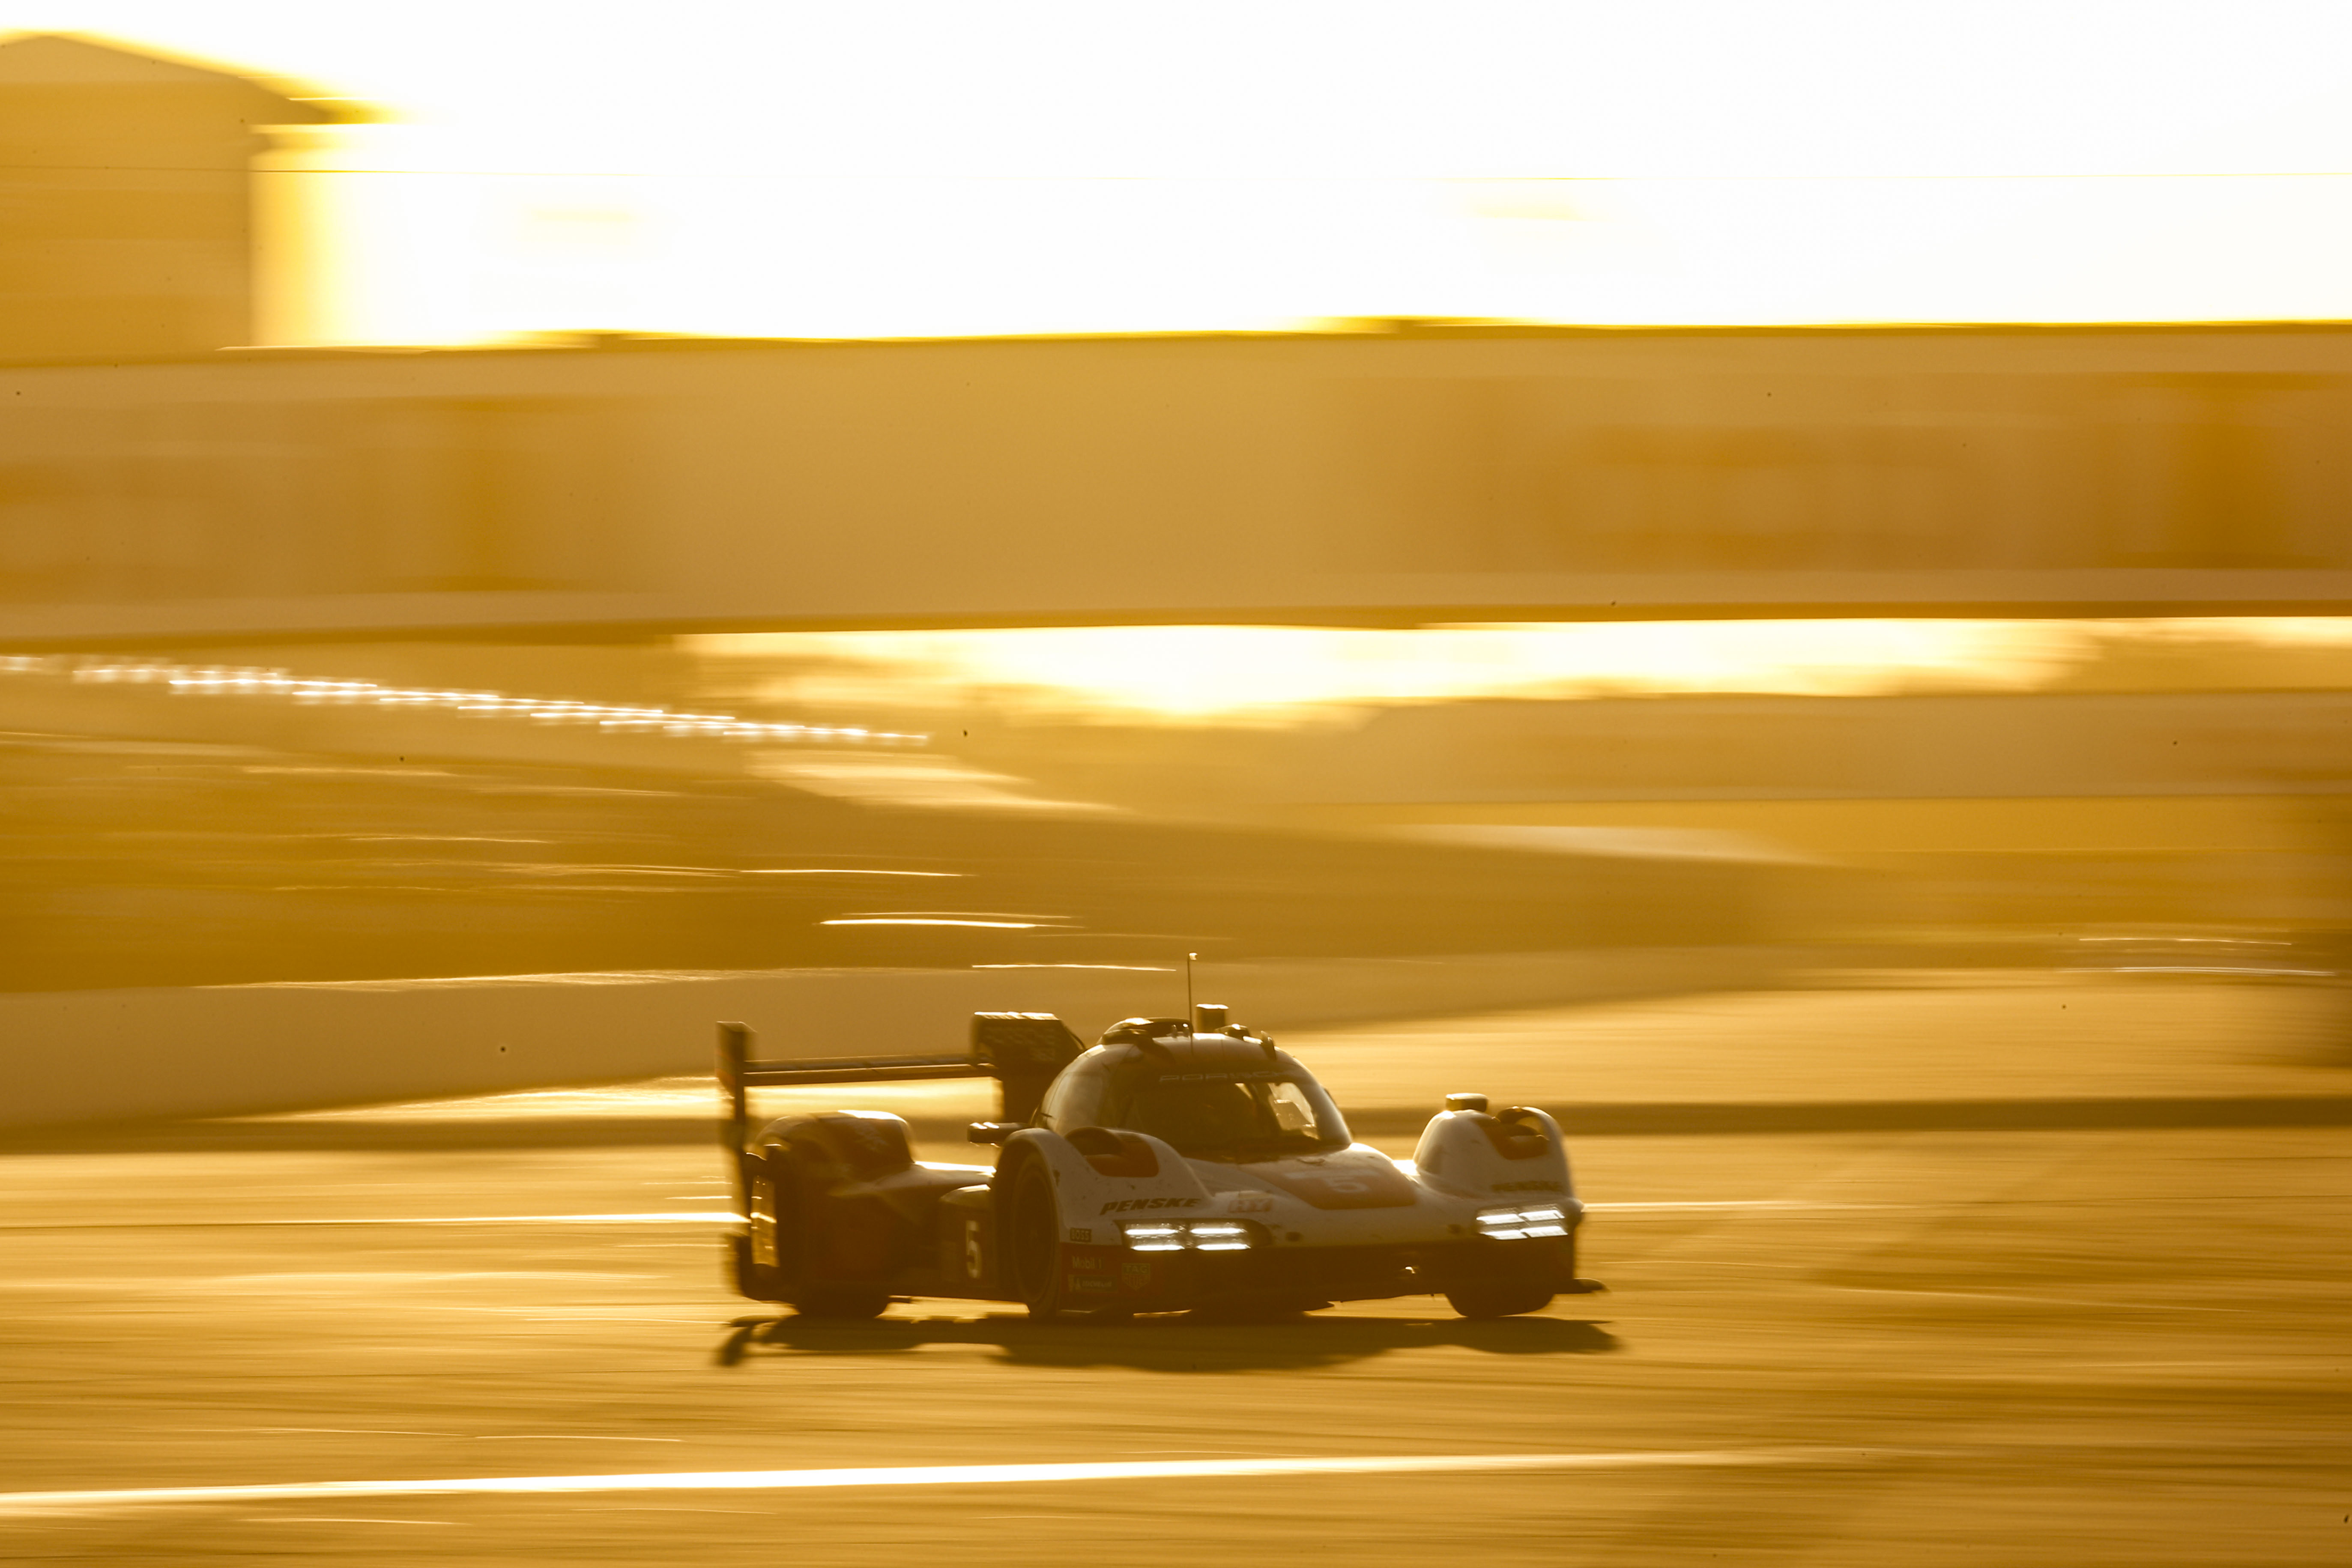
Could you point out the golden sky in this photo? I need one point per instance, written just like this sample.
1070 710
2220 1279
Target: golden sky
897 168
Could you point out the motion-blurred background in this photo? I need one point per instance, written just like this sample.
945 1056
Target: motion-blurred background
670 493
1771 576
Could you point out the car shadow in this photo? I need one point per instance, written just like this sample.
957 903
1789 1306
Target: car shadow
1174 1343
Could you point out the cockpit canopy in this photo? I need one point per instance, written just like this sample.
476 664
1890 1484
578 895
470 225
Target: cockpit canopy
1231 1096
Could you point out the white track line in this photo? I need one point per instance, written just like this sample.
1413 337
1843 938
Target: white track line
708 1216
700 1217
1772 1204
896 1475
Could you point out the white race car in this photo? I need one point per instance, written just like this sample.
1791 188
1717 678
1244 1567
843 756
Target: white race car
1174 1166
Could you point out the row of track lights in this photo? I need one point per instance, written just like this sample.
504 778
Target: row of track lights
222 682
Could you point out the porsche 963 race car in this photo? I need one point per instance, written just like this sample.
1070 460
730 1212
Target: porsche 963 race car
1176 1165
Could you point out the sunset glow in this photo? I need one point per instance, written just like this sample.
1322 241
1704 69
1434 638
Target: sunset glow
912 169
1284 673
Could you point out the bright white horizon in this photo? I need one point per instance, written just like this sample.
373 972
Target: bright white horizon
918 169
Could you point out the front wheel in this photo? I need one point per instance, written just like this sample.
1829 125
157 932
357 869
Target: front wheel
1033 1251
1034 1245
1498 1298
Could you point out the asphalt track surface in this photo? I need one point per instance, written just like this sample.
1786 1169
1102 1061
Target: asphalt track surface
2025 1269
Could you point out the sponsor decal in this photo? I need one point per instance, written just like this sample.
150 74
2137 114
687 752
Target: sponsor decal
1524 1187
1092 1282
1136 1275
1081 1232
1122 1206
1251 1203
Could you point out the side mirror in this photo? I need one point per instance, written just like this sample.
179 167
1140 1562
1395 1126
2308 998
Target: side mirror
991 1131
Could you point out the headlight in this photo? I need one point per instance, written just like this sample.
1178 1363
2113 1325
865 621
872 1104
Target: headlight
1511 1225
1188 1236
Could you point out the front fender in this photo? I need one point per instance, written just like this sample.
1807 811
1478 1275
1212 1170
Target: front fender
1472 1154
1091 1203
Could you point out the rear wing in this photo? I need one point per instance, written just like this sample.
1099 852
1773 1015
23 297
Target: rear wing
1022 1051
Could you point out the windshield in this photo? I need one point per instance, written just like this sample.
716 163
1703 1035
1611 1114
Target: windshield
1225 1115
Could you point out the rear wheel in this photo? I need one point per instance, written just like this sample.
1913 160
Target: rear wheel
1498 1298
803 1248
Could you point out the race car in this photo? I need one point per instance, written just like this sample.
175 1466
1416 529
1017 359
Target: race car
1176 1165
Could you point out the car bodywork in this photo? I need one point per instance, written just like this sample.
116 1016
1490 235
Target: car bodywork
1178 1164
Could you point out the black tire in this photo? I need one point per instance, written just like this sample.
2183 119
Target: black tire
783 1188
1033 1243
808 1232
1498 1298
1031 1240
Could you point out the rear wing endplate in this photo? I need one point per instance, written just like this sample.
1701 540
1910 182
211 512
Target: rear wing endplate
1022 1051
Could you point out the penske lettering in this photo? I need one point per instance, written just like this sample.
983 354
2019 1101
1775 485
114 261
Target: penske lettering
1121 1205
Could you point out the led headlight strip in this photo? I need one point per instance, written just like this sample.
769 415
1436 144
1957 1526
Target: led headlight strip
1188 1236
1511 1225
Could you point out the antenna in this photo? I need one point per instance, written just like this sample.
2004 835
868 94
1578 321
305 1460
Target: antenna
1187 990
